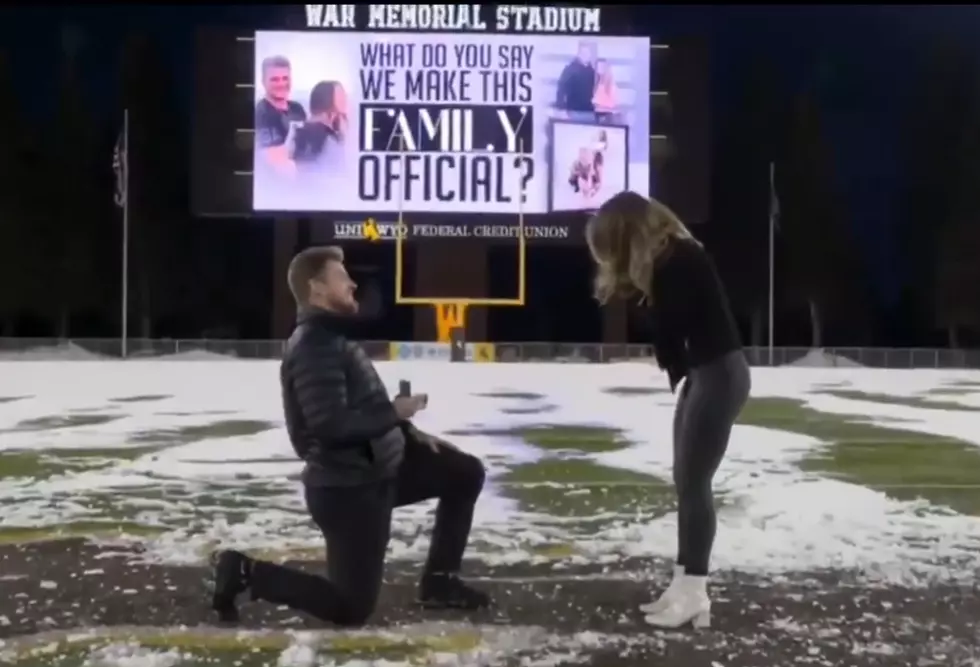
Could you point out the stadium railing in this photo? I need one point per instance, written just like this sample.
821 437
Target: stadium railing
42 349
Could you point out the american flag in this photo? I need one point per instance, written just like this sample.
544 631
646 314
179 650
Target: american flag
120 165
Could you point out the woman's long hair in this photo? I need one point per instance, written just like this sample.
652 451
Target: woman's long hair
323 100
626 236
606 81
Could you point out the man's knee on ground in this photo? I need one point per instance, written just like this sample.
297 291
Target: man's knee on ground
352 612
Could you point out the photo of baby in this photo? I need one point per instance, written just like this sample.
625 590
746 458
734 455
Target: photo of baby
590 165
586 172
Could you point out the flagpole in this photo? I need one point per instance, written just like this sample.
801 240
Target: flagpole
124 314
772 258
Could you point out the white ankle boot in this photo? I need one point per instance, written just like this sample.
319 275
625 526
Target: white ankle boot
688 604
661 603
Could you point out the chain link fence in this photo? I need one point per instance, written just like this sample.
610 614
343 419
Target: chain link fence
41 349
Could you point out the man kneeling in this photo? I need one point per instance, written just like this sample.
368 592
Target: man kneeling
363 458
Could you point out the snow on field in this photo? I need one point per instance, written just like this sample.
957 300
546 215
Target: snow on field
783 520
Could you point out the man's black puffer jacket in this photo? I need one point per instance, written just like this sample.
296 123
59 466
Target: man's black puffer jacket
338 414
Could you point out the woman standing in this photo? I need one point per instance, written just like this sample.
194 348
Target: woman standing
644 253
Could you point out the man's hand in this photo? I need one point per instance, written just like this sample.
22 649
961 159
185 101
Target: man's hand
407 406
278 157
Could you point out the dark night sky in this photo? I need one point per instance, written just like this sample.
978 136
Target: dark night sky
852 57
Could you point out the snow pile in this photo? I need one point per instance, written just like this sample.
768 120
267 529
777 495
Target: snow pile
818 358
62 352
197 355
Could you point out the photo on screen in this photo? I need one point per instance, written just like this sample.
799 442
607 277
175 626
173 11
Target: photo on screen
301 129
590 164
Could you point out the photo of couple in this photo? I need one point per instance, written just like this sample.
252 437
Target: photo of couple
587 87
287 139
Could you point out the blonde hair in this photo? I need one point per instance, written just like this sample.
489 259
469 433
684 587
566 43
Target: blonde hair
626 236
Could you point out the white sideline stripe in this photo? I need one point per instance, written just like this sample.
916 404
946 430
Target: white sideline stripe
665 485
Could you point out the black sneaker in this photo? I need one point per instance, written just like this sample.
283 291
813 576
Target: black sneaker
231 575
448 591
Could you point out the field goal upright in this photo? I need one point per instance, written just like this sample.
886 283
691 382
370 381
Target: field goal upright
450 312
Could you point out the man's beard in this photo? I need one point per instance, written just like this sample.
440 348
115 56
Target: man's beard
347 306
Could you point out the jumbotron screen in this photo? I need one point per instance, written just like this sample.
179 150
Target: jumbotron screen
380 122
363 122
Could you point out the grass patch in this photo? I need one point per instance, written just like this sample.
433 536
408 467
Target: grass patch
182 505
591 439
29 465
530 410
554 551
241 494
907 465
581 488
184 435
908 401
244 649
518 395
277 459
43 464
101 653
113 453
972 384
634 391
75 530
954 391
54 422
142 398
558 437
828 384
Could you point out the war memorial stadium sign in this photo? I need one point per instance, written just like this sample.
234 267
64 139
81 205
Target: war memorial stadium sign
456 18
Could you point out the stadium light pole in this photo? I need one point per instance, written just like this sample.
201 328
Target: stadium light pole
120 165
773 224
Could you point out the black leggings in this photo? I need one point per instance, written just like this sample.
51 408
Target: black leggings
356 523
708 406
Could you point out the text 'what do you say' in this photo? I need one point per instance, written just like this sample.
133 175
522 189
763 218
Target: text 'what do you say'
437 73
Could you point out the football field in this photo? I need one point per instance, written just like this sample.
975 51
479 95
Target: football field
848 518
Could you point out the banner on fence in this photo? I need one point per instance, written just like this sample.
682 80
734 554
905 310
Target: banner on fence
411 351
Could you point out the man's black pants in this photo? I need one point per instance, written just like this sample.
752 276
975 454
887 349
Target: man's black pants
356 523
